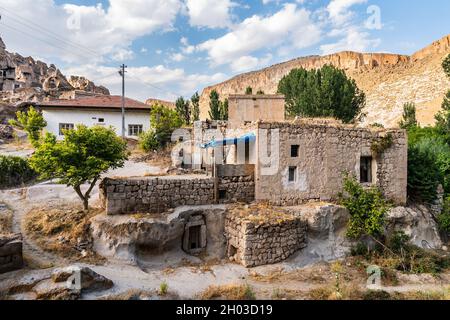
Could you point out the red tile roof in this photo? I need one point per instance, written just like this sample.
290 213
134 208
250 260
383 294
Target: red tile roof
105 102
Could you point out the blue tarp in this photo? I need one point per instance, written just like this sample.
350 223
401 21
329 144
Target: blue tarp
245 138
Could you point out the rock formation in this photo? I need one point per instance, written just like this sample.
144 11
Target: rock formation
167 104
389 81
23 79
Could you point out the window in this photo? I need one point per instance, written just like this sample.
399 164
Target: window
135 129
294 151
365 170
65 126
222 194
292 173
101 120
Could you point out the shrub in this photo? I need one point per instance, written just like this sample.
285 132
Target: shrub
15 171
163 122
446 65
32 122
326 92
444 218
409 119
163 288
367 209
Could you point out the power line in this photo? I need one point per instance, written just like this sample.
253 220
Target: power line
30 24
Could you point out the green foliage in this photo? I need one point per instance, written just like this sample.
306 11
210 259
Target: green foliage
163 288
446 65
326 92
32 122
217 110
163 122
444 218
249 294
443 116
382 144
260 92
377 125
409 119
428 163
83 155
248 90
183 109
367 208
195 103
15 171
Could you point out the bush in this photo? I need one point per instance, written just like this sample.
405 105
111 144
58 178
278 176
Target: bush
15 171
367 209
163 122
32 122
444 218
326 92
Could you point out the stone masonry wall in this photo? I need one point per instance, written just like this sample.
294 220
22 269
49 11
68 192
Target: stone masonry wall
10 252
154 195
325 152
236 183
253 244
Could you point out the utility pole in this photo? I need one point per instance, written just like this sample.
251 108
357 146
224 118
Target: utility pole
122 73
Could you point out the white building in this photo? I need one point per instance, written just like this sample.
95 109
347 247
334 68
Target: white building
96 110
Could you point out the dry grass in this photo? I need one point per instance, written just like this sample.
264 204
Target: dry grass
228 292
262 213
6 218
161 158
64 231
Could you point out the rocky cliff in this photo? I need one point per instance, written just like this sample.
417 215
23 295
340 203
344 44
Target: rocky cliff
24 79
389 80
167 104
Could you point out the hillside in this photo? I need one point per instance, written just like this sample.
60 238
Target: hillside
389 80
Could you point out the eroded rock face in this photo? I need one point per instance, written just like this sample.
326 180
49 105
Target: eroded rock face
418 223
389 81
30 80
122 237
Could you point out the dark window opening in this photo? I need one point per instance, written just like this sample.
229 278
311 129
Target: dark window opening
294 151
247 152
101 120
292 171
366 170
135 129
222 194
195 237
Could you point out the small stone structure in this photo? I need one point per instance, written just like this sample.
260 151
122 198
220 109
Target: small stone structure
261 239
194 238
10 252
157 194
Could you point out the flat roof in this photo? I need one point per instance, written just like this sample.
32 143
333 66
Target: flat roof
98 102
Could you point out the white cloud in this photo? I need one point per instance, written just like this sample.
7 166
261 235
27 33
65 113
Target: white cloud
247 63
99 31
354 40
145 82
123 55
210 13
290 26
177 57
339 10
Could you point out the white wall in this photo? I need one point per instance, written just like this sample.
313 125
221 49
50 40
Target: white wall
112 118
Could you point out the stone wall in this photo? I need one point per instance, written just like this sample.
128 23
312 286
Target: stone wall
253 243
236 183
325 152
10 252
155 195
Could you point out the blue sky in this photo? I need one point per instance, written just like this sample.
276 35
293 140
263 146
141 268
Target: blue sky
175 47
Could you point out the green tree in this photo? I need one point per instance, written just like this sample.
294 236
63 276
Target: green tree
32 122
214 106
195 104
326 92
446 65
248 90
163 122
81 158
184 111
443 116
224 110
409 119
